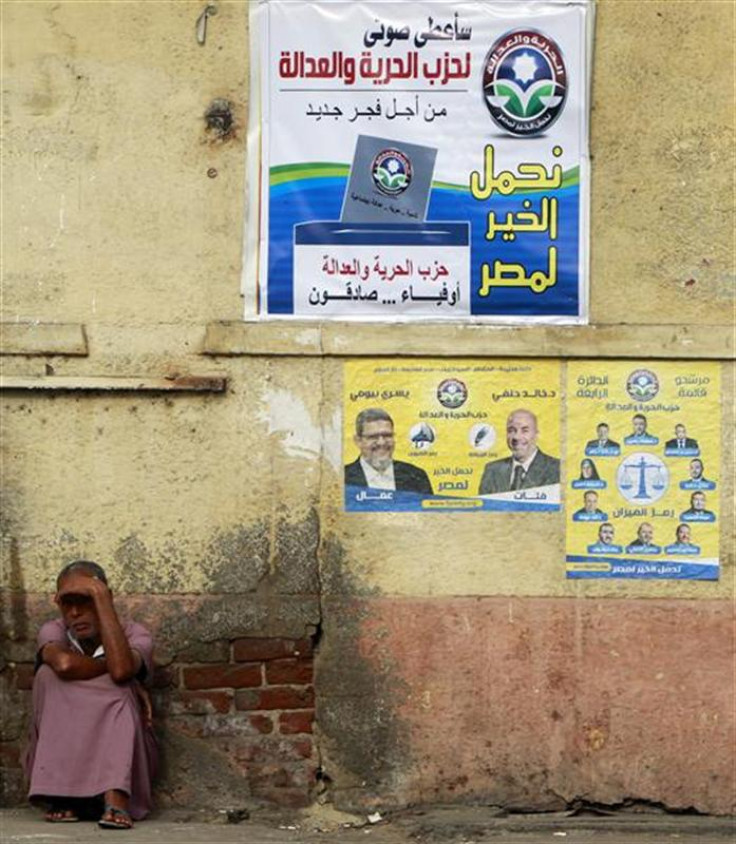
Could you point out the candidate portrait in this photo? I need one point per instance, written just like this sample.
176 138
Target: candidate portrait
527 466
375 466
589 512
697 511
643 543
681 442
606 543
639 434
697 478
602 444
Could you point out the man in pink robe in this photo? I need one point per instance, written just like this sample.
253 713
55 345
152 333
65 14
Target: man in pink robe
91 739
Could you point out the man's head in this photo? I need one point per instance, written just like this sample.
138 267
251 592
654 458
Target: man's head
680 431
682 534
639 421
374 436
645 534
78 609
602 431
606 533
696 469
521 434
590 501
697 501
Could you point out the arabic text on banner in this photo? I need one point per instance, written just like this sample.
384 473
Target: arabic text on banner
438 435
643 457
423 159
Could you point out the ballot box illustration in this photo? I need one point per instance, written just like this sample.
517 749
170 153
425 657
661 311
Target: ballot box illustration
382 258
368 269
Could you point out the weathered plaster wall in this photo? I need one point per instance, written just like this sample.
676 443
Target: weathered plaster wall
453 661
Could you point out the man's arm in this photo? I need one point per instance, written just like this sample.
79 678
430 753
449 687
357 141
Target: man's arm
69 665
122 662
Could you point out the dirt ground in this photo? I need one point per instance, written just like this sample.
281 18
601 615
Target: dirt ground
440 825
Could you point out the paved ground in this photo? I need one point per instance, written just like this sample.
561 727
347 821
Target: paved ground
323 825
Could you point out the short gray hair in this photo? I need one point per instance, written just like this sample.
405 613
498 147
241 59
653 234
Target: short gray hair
86 566
371 414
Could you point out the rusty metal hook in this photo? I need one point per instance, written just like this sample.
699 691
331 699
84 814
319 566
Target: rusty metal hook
208 11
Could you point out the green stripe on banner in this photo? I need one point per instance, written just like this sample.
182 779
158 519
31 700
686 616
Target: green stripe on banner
321 170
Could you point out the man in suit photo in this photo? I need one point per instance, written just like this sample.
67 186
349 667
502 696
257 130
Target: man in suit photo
528 466
602 442
639 434
681 441
697 511
644 541
697 479
605 543
376 467
589 512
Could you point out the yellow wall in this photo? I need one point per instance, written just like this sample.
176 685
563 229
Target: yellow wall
112 223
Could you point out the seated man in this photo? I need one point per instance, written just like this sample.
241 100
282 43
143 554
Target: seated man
91 740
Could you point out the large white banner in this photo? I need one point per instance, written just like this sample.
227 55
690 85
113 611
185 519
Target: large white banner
421 159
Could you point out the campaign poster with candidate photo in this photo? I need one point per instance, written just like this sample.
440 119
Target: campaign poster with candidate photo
420 159
643 458
435 435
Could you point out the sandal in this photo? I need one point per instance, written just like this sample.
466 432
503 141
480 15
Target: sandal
61 814
115 818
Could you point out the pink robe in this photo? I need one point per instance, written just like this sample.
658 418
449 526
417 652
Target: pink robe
88 736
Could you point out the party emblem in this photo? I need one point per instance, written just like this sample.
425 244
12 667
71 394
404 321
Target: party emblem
642 385
391 172
524 82
452 393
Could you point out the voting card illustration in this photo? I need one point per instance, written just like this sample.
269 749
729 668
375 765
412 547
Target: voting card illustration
389 182
382 256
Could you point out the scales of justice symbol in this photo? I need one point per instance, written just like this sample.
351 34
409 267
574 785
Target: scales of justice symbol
642 477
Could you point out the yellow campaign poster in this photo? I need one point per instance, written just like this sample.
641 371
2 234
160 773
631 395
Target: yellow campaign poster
427 435
643 457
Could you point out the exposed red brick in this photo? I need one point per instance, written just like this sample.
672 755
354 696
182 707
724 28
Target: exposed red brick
269 776
296 722
186 725
257 649
298 672
23 675
222 676
270 749
217 651
279 697
303 747
165 676
202 703
287 785
262 723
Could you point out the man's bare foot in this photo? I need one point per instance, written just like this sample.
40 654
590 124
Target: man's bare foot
116 815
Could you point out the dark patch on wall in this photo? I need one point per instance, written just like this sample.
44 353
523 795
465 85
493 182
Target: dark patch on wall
337 577
134 560
183 624
236 560
195 773
219 120
365 745
295 555
13 609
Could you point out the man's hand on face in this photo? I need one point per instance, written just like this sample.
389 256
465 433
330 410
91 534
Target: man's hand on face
79 583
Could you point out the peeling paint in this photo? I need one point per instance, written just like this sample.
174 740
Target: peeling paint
288 418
